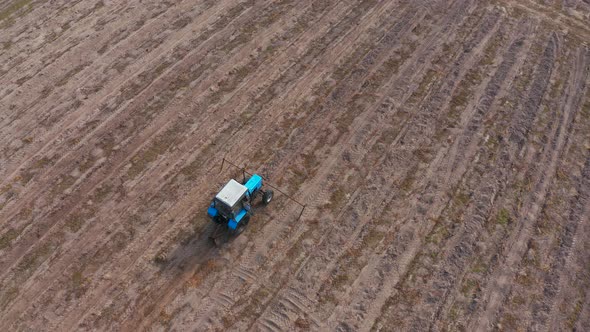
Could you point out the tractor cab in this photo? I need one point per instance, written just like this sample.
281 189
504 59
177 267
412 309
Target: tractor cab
229 203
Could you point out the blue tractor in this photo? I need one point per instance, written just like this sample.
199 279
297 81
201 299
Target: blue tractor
231 207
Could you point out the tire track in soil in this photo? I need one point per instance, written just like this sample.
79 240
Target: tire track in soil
465 147
583 323
528 269
471 129
451 311
394 252
462 247
554 283
548 122
516 244
494 91
370 292
420 125
471 150
573 280
574 232
488 219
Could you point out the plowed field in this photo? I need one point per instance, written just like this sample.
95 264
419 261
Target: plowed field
442 149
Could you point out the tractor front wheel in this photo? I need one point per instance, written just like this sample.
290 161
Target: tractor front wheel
267 196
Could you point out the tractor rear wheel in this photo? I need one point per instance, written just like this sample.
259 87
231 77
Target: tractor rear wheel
242 225
267 196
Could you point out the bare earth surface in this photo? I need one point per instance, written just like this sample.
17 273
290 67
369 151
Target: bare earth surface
442 148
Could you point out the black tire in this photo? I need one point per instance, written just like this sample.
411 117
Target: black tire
267 197
242 225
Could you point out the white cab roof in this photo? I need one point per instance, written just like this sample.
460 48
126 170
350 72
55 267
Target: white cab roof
231 193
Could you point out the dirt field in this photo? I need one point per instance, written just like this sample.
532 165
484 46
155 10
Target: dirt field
442 149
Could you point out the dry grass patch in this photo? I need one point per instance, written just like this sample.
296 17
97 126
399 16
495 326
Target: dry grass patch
503 217
28 174
438 234
408 183
575 314
7 238
33 260
509 322
337 198
75 223
18 7
63 183
469 287
79 284
479 266
101 193
7 296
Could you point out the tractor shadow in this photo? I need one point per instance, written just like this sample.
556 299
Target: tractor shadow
195 244
197 247
195 250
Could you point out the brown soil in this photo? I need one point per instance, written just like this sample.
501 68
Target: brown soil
442 149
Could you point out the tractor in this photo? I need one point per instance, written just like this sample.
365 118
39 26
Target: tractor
232 206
